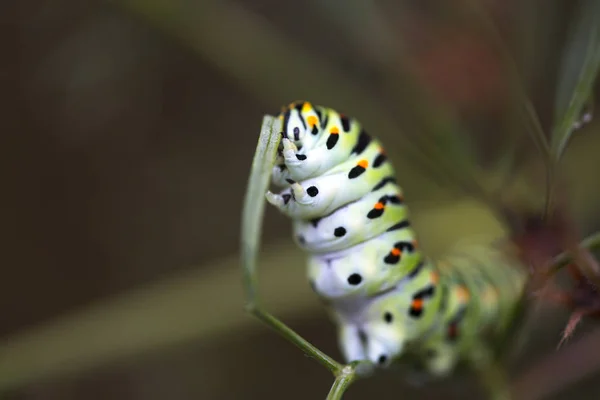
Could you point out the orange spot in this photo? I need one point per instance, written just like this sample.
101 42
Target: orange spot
363 163
382 150
463 293
306 107
379 206
396 252
417 304
312 120
415 243
435 277
335 130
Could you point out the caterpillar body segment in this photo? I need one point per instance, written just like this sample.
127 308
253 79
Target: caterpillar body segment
323 194
385 296
383 325
367 268
484 287
353 223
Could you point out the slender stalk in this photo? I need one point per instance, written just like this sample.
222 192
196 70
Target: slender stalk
342 382
254 203
590 243
294 338
495 381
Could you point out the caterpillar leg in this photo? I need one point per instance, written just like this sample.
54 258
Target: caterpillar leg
254 204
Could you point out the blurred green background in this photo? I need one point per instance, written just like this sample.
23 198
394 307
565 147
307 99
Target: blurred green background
129 129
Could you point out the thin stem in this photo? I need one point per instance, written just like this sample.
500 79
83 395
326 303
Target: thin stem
290 335
342 382
591 242
254 204
495 381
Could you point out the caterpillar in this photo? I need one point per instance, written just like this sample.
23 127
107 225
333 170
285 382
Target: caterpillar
386 297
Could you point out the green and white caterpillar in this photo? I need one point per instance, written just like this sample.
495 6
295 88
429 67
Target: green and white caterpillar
386 297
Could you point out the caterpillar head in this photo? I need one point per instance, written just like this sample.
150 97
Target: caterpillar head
301 123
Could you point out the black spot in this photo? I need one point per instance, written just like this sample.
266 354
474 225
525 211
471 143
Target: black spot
379 160
339 231
356 172
319 114
405 246
384 182
314 130
415 312
391 258
282 167
315 221
375 213
296 133
354 279
286 198
399 225
382 359
345 123
286 120
301 239
300 157
332 140
363 141
388 317
429 291
325 121
394 199
290 181
312 191
417 269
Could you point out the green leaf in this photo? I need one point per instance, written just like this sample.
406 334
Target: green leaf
578 71
254 203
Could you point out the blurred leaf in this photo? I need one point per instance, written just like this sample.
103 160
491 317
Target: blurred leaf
580 64
200 305
559 370
254 203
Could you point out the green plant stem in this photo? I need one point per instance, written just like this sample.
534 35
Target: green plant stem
342 382
254 205
495 381
289 334
591 242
